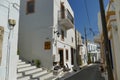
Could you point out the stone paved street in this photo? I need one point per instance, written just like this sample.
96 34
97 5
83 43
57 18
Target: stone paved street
89 73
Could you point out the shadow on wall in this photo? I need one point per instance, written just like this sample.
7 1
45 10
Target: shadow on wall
1 41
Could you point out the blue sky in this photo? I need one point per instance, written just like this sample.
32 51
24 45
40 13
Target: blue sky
81 19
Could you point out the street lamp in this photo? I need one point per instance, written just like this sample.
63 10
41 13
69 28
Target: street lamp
12 23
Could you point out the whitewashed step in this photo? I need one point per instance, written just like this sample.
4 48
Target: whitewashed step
19 60
26 68
24 65
21 63
48 75
39 73
51 78
33 71
24 78
19 75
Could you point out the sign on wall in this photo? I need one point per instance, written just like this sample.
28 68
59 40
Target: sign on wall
47 45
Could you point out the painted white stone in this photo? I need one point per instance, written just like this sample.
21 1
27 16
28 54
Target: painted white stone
9 9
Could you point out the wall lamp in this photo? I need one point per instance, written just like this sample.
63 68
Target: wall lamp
12 23
58 34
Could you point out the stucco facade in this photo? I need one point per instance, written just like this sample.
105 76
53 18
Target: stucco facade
9 10
46 25
81 50
84 55
117 10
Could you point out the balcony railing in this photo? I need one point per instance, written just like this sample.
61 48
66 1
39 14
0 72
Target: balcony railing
66 19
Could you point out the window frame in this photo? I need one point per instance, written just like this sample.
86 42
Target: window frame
27 7
72 39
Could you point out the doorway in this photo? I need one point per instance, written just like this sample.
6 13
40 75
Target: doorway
72 56
61 57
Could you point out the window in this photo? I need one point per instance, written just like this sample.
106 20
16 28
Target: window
47 45
1 42
72 39
66 54
62 35
30 6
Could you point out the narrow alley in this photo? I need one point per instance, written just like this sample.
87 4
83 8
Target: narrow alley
88 73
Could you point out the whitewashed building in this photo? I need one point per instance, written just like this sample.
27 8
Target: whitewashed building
47 32
94 51
9 20
84 55
81 50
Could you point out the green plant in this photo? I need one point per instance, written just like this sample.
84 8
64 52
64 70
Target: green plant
89 59
18 52
37 63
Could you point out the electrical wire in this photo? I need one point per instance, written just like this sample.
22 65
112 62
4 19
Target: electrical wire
90 28
86 8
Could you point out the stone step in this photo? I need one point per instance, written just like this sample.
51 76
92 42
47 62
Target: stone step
24 65
48 75
51 78
19 75
19 60
39 73
33 71
24 78
26 68
21 63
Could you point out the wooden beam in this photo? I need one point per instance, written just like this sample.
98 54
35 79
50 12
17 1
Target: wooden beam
109 13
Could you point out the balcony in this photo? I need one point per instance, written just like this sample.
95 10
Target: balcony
66 19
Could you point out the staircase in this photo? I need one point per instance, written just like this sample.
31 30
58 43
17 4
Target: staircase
25 71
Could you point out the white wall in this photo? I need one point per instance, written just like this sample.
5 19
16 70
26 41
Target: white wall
67 43
84 55
116 45
93 50
9 59
68 33
38 27
35 29
117 10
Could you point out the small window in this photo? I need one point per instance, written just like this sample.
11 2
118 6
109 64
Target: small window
72 39
47 45
62 34
30 6
66 54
